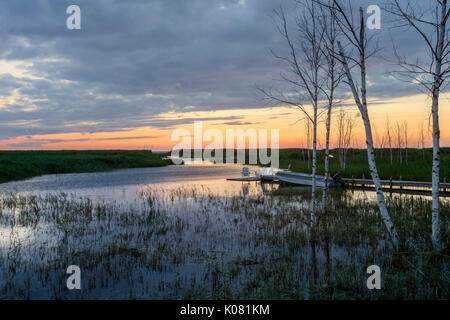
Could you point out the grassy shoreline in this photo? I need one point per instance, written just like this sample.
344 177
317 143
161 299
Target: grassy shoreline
19 165
413 165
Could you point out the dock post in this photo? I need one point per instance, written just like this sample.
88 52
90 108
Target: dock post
401 185
445 181
390 184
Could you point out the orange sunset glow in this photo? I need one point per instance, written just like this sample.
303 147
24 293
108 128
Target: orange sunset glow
289 121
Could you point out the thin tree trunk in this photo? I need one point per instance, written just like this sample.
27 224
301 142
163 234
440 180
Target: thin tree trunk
308 137
327 155
316 66
438 43
391 154
362 106
435 221
314 168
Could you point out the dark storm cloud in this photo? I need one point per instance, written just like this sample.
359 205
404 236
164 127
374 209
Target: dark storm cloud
136 59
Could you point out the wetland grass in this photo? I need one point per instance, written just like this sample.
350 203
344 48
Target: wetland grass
190 244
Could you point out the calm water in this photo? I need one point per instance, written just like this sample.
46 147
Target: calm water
179 240
124 185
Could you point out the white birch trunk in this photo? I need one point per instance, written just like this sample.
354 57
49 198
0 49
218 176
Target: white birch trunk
314 169
315 100
333 84
327 156
362 106
435 221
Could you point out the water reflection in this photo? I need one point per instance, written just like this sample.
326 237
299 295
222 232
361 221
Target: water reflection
123 186
192 233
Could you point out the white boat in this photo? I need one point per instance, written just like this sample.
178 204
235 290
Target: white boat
302 179
266 174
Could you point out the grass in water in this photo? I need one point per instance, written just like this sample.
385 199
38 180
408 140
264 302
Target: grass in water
185 244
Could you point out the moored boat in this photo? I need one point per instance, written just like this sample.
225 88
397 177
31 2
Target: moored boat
303 179
266 173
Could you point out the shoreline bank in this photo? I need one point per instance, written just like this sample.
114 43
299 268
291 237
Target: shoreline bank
20 165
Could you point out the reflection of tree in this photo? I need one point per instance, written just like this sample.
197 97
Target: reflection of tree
315 271
328 267
245 189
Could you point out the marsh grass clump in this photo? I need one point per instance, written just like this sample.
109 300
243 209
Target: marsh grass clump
189 243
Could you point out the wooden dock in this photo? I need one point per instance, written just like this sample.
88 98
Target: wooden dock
422 187
395 185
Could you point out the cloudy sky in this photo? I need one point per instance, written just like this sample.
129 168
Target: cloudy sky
140 68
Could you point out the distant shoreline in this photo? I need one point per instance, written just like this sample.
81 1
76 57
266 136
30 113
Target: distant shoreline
415 166
410 164
20 165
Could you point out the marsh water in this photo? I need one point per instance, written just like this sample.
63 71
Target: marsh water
187 232
123 186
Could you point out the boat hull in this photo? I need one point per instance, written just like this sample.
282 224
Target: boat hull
303 179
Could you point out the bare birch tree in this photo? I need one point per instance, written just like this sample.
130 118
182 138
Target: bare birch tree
345 124
389 137
334 76
308 140
429 19
421 140
380 141
305 76
405 140
354 33
399 141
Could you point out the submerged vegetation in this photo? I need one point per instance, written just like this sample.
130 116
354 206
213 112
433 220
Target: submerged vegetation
17 165
188 243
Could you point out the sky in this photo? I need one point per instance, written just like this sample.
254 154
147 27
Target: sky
139 69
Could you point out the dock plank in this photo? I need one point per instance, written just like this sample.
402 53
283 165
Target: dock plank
394 183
